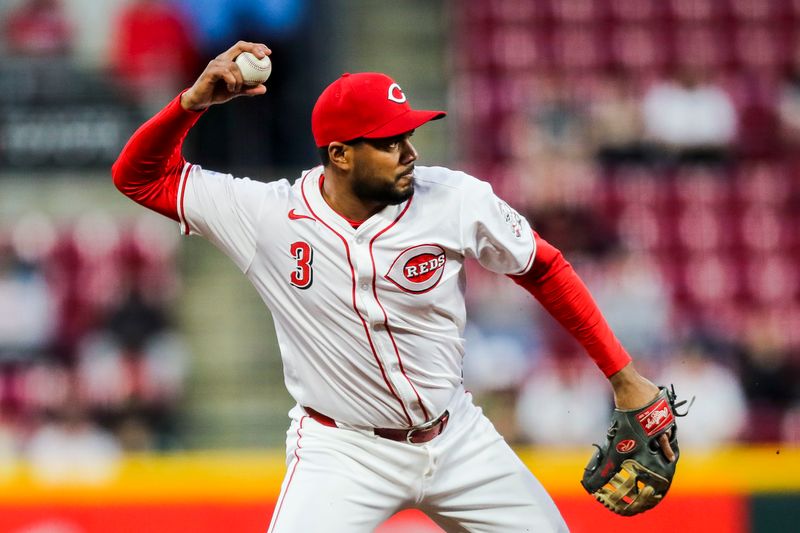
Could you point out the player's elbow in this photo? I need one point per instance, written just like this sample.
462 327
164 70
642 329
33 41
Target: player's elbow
548 262
123 175
116 175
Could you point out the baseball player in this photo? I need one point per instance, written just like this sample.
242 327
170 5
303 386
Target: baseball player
361 262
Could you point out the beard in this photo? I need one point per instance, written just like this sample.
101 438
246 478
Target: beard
369 189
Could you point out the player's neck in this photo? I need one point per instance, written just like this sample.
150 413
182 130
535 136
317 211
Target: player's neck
342 200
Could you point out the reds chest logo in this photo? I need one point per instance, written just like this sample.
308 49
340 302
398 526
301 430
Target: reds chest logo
418 269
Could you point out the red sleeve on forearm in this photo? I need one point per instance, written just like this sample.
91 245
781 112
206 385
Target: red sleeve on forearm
148 171
556 285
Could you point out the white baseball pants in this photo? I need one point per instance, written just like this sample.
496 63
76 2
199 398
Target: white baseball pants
466 479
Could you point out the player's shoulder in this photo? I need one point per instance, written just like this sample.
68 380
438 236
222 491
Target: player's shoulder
238 181
446 181
447 178
312 174
443 176
254 192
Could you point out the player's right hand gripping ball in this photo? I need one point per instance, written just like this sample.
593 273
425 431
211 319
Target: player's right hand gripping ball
629 474
254 70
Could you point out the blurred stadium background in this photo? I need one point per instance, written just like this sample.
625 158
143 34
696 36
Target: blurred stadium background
654 141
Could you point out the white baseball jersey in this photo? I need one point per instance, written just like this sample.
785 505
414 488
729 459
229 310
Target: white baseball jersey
369 320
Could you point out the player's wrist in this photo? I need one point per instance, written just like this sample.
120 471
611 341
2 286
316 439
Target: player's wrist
189 102
631 389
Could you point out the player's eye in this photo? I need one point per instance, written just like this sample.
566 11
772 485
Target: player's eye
391 144
398 141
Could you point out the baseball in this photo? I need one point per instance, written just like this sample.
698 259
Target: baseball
254 70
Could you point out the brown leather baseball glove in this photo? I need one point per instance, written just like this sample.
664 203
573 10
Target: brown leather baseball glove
630 474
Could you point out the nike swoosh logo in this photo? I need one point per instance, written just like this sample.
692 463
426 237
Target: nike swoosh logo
295 216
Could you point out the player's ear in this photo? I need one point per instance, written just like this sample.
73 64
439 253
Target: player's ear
340 155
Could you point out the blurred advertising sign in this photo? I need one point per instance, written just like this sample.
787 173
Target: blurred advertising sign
55 115
77 136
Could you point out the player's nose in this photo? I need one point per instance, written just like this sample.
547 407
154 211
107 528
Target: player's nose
409 154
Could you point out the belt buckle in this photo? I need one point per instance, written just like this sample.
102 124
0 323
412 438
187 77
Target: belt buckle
424 427
411 433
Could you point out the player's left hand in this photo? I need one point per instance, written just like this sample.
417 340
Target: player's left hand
633 391
222 81
628 473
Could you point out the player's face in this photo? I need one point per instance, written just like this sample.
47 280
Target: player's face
383 169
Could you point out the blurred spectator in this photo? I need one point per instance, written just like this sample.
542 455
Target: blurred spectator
70 448
770 377
494 367
545 145
703 232
635 300
616 128
86 271
134 321
42 386
578 231
153 53
720 412
132 373
499 342
690 119
497 359
26 306
565 401
38 28
83 315
558 119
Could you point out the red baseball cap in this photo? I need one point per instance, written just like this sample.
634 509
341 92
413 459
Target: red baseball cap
367 104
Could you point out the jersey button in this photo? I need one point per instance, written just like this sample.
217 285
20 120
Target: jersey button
364 286
359 240
395 367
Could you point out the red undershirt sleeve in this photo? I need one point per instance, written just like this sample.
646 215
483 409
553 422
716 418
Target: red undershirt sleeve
556 285
149 168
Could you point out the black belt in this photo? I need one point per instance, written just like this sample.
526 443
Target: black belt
416 435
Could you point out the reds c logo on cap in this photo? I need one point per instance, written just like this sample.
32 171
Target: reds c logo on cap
367 105
418 269
394 91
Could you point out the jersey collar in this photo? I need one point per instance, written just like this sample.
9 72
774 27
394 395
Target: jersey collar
312 196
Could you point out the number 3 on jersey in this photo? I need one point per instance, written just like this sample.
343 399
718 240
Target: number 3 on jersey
303 254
